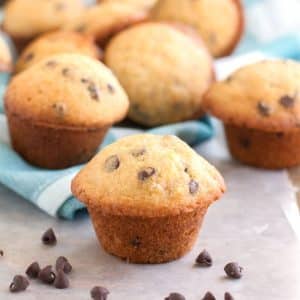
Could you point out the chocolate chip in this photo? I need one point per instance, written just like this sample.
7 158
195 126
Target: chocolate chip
209 296
60 109
99 293
138 152
84 80
80 28
279 134
28 56
65 72
287 101
112 163
60 6
263 109
46 275
61 281
244 142
146 173
193 187
49 237
94 91
204 259
233 270
19 283
110 88
33 270
175 296
228 296
1 252
51 63
136 242
63 264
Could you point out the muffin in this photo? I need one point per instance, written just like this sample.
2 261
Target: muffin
60 109
58 42
24 20
104 20
260 107
219 22
163 70
147 196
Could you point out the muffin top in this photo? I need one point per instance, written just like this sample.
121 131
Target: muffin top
27 18
262 96
164 71
219 22
5 56
67 90
56 43
105 19
146 4
148 175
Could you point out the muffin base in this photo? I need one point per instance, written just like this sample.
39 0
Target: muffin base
270 150
53 147
147 240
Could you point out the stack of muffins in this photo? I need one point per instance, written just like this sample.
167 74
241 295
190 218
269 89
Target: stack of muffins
147 195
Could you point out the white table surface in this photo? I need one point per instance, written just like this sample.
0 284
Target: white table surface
248 225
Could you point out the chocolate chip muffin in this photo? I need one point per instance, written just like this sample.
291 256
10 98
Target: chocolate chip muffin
60 109
24 20
58 42
104 20
5 56
147 196
219 22
164 71
260 107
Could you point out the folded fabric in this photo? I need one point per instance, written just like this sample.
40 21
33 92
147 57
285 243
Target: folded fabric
50 189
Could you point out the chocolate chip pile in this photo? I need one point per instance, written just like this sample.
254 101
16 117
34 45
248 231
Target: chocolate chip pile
46 275
233 270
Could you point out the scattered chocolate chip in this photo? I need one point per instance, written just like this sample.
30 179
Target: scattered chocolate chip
186 169
19 283
228 296
60 109
63 264
193 187
112 163
49 237
46 275
1 252
65 72
146 173
233 270
94 91
28 56
61 280
51 63
209 296
99 293
138 152
204 259
263 109
33 270
175 296
136 242
287 101
244 142
110 88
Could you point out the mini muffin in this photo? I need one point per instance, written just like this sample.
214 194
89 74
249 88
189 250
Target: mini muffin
219 22
24 20
104 20
164 71
60 109
147 196
56 43
260 107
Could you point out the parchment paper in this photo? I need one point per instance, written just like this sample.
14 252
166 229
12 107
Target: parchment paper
248 225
